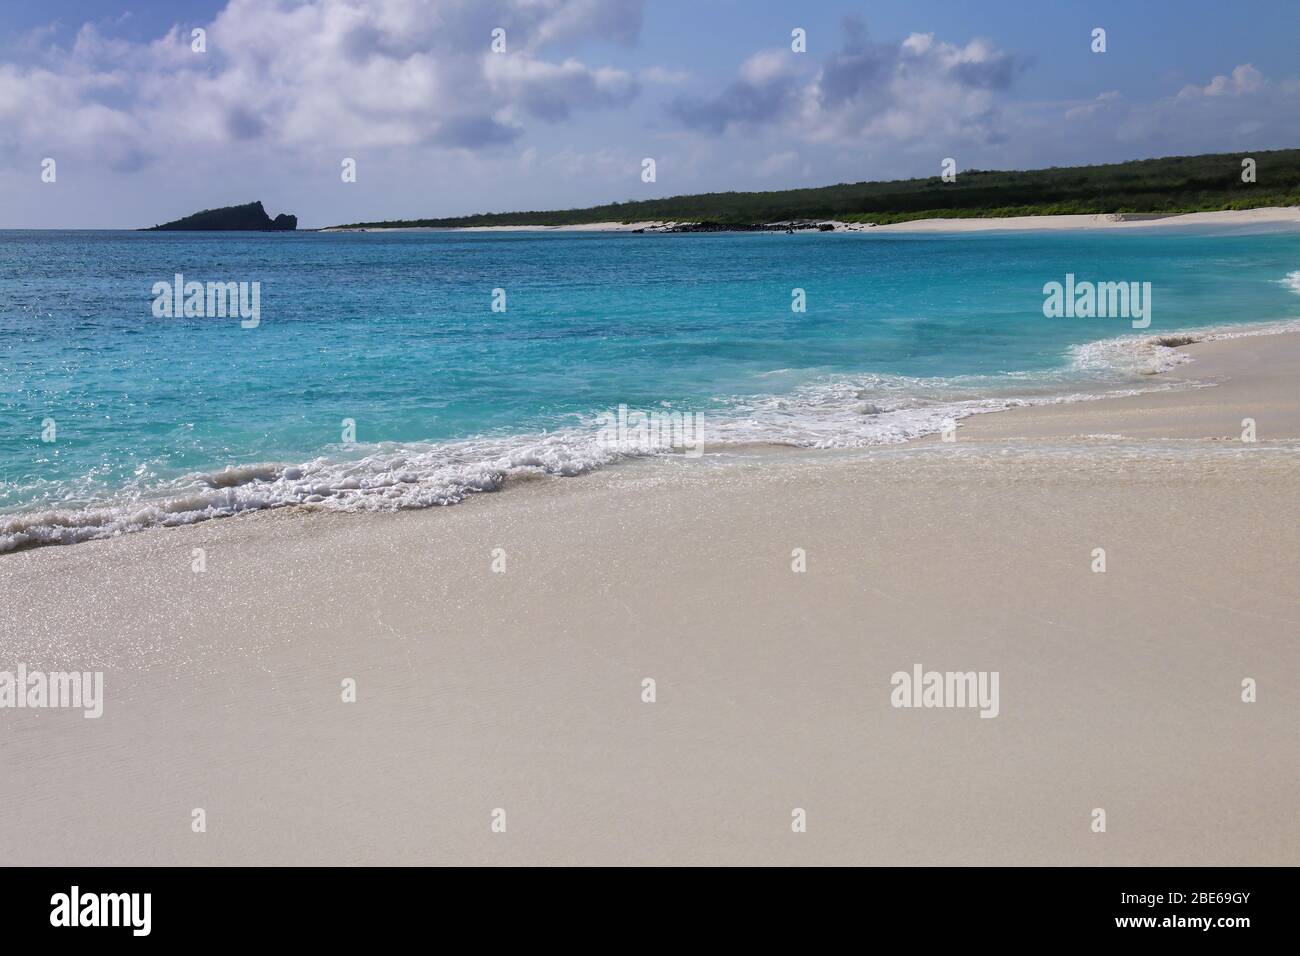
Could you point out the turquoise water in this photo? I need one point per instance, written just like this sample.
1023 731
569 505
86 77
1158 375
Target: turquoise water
163 420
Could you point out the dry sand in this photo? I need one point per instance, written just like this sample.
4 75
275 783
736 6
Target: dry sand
1267 216
1271 215
522 690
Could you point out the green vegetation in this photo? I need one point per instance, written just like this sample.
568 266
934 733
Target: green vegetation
1168 185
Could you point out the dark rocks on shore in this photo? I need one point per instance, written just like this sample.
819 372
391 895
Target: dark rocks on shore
794 225
250 217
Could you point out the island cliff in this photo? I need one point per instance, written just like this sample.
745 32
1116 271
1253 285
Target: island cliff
250 217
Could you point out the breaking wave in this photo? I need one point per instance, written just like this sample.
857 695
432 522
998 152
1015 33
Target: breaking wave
846 412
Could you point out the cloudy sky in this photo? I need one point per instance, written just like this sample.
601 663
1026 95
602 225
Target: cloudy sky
144 129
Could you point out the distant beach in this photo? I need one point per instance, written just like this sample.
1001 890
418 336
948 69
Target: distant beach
1236 217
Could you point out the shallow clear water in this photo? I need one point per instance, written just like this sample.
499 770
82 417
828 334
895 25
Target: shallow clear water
396 332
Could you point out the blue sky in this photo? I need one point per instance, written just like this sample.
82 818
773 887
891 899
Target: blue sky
144 129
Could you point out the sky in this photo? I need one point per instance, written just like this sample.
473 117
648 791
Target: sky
144 128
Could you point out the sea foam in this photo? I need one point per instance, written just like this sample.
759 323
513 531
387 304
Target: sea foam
843 412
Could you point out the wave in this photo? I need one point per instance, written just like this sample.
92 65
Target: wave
848 412
389 478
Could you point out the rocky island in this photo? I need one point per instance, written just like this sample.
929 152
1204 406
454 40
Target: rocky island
250 217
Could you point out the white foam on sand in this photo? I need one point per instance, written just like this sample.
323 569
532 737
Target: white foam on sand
1152 354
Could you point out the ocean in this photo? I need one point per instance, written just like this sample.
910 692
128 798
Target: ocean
379 375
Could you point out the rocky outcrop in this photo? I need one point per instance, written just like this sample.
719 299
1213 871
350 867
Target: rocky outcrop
250 217
792 225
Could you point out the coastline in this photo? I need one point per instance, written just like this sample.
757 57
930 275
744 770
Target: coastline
445 473
1255 376
522 689
614 433
1271 215
1266 216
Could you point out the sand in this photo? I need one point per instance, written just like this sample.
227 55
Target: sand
522 690
1272 216
1267 216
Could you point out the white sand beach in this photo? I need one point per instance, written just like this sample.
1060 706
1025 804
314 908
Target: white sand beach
1264 216
1271 215
523 690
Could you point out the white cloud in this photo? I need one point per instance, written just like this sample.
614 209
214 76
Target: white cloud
767 66
1244 79
665 75
325 72
550 91
1243 110
919 88
1103 101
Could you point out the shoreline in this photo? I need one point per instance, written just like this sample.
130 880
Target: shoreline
1270 215
1254 376
1169 366
522 688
